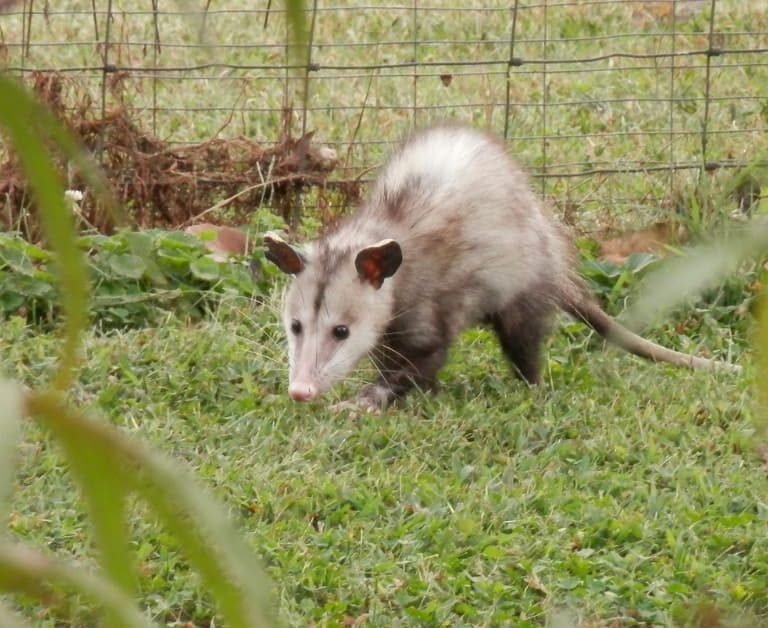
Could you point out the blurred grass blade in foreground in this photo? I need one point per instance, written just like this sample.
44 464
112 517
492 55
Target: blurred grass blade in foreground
761 352
227 565
105 463
10 423
100 472
297 31
684 277
10 619
30 126
27 571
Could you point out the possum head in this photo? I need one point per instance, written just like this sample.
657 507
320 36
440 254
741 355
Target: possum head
335 309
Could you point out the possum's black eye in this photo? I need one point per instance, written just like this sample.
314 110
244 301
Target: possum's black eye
341 332
296 327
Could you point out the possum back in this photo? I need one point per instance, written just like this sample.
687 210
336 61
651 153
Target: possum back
472 232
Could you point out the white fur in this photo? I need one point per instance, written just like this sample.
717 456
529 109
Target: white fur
471 227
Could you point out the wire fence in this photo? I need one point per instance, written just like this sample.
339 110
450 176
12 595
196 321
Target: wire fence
609 104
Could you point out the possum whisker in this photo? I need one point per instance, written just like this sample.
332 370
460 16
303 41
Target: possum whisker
399 314
378 370
397 354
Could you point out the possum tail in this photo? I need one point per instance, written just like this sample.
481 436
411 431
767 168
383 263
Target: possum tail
613 331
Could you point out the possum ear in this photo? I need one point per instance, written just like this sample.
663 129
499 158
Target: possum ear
282 254
377 262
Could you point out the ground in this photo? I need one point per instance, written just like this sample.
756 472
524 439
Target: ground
618 493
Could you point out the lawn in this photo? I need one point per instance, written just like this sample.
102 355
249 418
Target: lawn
618 493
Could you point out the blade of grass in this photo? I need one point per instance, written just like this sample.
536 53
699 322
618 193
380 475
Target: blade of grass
702 267
10 618
15 108
230 572
101 478
761 354
23 570
227 565
10 422
297 27
94 177
29 125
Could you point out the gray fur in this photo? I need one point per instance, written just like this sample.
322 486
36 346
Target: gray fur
477 246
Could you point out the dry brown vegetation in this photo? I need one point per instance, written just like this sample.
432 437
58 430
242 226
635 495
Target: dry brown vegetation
161 184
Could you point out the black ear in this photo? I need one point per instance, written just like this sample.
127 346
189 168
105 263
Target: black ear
282 254
377 262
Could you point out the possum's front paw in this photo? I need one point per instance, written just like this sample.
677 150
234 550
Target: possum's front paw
354 408
372 399
376 396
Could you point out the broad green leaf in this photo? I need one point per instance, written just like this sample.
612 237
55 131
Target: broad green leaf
92 240
37 286
35 252
176 261
142 244
10 302
599 268
640 261
16 260
25 570
205 268
127 265
227 565
43 276
11 410
139 243
178 240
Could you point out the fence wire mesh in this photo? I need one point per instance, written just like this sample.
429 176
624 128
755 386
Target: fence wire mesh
611 105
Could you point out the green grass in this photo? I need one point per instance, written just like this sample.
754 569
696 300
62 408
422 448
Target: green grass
620 493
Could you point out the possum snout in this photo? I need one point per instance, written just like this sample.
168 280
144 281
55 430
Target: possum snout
300 391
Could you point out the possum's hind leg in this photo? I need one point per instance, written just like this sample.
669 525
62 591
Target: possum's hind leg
522 327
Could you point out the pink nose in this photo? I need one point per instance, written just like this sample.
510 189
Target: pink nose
302 392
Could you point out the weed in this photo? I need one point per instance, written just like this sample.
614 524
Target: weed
136 278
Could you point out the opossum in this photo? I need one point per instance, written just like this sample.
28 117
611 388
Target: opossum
450 236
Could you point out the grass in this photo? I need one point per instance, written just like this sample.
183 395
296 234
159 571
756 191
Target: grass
619 493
